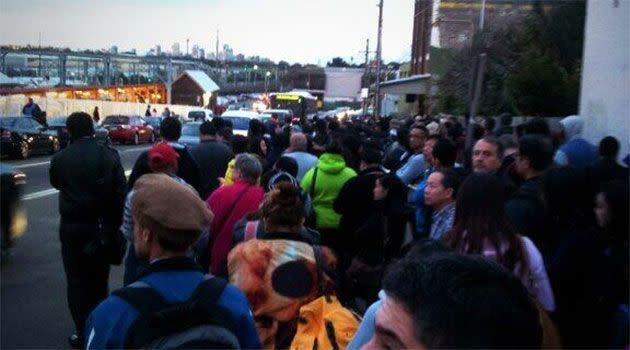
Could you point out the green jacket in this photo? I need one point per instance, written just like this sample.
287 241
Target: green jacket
332 174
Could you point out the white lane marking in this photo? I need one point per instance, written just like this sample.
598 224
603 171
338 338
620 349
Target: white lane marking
135 149
22 166
51 191
39 194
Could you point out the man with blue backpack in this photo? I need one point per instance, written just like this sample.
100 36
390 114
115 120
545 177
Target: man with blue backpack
173 304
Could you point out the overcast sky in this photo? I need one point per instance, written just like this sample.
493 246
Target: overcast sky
302 31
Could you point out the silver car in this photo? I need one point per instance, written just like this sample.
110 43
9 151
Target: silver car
190 134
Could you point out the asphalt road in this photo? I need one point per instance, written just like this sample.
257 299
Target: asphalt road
33 308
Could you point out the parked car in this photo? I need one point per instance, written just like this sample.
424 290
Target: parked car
12 217
128 129
190 134
155 124
240 120
202 115
23 136
58 125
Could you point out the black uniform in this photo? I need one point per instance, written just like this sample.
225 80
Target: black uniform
82 202
213 158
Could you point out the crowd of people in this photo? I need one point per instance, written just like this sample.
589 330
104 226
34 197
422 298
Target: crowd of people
365 233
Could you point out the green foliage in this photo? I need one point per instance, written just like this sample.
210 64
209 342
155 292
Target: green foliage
337 62
532 67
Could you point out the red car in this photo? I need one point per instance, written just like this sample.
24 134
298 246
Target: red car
128 129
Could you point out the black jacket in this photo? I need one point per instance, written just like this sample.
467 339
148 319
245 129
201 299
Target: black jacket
392 158
212 158
188 169
526 209
92 185
355 201
379 239
605 171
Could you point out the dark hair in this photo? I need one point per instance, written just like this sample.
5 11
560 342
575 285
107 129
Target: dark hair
402 137
283 206
207 128
80 125
445 151
171 129
226 133
253 145
287 164
256 128
370 155
455 131
218 122
537 149
505 119
477 132
494 141
609 147
333 147
490 124
333 125
419 126
450 179
480 217
508 141
537 126
228 124
239 144
433 137
425 247
396 191
463 302
320 126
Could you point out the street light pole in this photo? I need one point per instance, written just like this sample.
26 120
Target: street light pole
377 106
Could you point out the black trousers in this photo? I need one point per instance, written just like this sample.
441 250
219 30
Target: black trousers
86 279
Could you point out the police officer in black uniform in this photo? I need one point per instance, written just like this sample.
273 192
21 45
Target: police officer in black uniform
92 187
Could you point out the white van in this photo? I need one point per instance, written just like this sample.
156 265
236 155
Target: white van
240 120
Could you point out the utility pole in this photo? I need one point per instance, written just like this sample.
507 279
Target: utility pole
216 53
367 63
367 75
478 78
377 105
187 41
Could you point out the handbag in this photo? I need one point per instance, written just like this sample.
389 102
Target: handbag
108 241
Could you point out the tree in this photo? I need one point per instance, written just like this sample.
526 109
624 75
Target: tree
546 80
283 64
337 62
532 67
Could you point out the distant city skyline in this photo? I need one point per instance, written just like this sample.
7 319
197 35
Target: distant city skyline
294 31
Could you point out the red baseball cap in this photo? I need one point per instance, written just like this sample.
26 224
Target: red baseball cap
162 155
